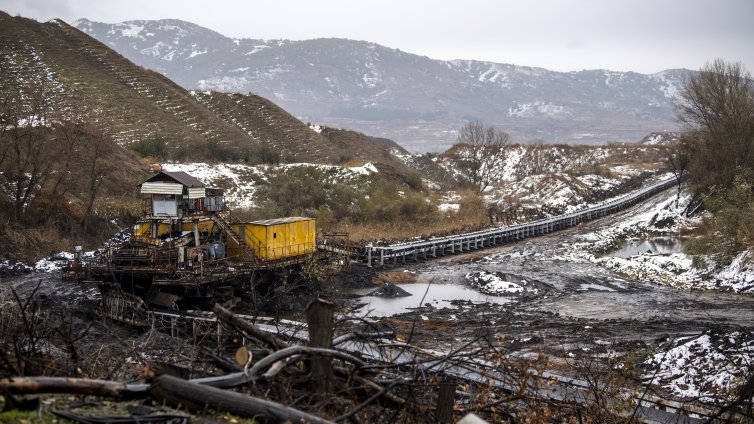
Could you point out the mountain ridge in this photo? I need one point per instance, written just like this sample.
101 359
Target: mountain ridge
417 101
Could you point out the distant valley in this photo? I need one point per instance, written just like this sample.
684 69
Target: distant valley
417 101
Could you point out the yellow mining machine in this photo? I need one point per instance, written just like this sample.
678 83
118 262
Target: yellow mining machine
188 250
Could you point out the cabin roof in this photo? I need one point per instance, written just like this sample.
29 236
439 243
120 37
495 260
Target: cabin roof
177 176
278 221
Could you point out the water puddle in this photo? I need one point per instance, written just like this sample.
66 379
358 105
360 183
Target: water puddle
437 295
597 287
661 245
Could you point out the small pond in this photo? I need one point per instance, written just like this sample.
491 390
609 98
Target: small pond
438 295
661 245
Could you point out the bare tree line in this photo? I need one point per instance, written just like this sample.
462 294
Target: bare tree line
481 146
47 155
717 107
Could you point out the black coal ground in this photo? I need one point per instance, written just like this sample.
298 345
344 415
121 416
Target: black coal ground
581 308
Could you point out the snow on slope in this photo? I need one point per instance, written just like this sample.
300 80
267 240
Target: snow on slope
674 269
546 180
709 367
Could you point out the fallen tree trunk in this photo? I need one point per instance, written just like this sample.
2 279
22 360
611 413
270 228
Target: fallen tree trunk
196 397
77 386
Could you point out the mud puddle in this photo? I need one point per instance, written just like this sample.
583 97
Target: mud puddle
660 245
426 294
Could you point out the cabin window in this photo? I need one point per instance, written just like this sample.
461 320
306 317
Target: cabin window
274 235
164 204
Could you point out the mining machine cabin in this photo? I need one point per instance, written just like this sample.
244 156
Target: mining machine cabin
188 247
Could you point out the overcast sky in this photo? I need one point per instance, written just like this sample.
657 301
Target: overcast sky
645 36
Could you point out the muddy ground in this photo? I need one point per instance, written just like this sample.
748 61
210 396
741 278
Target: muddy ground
570 308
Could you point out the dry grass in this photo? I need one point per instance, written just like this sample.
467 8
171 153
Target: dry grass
471 216
29 244
396 231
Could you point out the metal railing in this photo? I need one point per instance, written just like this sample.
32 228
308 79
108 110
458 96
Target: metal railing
415 251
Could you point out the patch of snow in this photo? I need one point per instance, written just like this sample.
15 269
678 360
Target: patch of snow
371 78
128 30
53 263
257 49
239 193
710 367
670 87
367 169
224 83
493 283
536 108
737 276
13 268
655 139
450 202
195 53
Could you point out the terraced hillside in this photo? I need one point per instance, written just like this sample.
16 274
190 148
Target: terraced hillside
150 114
144 108
286 139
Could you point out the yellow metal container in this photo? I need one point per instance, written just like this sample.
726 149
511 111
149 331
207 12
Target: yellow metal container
276 239
144 228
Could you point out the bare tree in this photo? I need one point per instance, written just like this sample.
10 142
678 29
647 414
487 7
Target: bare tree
481 147
27 159
678 160
47 153
99 144
717 103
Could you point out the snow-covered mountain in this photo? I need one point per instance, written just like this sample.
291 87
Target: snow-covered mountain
417 101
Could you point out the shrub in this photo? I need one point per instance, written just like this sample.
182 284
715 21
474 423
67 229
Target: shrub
151 147
730 228
320 192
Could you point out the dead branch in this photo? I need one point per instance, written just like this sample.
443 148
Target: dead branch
370 384
297 350
359 335
364 404
119 419
221 362
195 397
249 329
78 386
